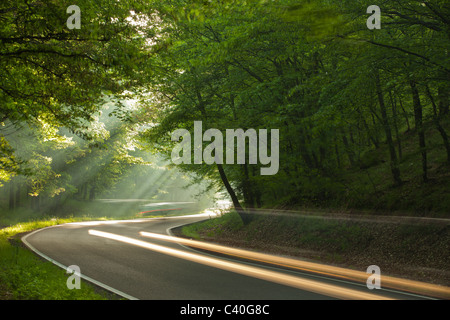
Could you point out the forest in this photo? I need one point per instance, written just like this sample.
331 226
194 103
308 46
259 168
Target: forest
363 114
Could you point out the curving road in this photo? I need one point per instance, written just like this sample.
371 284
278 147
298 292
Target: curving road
116 256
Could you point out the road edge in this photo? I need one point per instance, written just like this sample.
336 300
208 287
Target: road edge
60 265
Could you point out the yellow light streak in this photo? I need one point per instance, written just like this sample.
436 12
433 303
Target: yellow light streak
260 273
354 275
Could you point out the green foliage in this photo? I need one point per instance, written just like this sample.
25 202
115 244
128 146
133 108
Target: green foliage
336 90
26 277
56 77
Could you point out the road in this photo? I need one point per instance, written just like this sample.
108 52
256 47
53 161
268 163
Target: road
116 256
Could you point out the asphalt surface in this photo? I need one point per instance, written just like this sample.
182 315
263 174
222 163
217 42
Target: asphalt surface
141 273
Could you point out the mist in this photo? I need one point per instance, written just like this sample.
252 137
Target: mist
98 172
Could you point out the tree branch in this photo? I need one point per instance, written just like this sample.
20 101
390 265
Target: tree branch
71 55
402 50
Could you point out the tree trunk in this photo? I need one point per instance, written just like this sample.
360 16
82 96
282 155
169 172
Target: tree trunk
338 156
18 195
405 114
437 123
397 134
92 194
444 100
12 194
375 126
246 218
257 191
247 189
387 129
420 129
36 203
84 194
371 139
348 150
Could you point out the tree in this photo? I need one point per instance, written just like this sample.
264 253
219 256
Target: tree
56 75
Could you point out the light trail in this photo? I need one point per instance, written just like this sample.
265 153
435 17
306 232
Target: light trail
260 273
354 275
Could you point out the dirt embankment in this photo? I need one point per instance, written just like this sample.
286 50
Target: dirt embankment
415 249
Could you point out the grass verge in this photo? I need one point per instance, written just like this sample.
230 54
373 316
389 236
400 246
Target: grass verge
24 276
